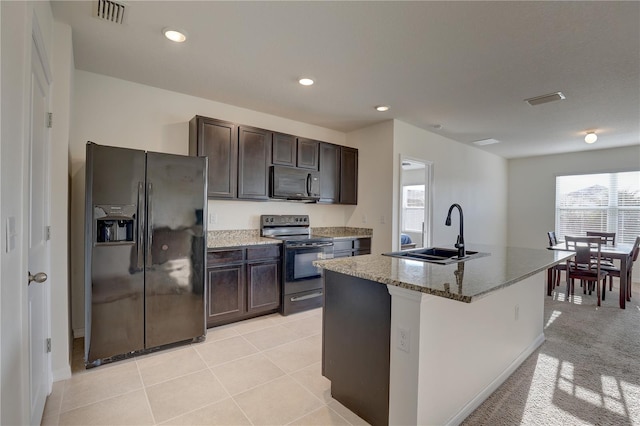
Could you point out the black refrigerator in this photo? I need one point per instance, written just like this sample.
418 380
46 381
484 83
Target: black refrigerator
145 247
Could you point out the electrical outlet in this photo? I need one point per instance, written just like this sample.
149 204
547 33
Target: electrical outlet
213 218
364 218
382 220
516 312
404 339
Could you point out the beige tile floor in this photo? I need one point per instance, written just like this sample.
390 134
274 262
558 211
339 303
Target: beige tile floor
263 371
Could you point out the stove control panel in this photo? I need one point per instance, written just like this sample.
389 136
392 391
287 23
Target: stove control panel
268 221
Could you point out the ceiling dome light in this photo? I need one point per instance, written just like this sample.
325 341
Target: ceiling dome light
591 137
382 108
305 81
174 35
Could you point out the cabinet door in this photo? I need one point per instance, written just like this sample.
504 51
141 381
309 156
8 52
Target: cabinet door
329 173
283 150
254 148
217 140
226 296
361 246
263 286
348 175
307 154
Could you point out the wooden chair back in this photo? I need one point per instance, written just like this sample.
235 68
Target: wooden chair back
636 249
553 240
608 238
586 248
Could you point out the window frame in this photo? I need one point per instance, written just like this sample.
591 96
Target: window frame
613 213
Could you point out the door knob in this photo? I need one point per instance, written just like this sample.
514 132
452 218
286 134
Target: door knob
40 277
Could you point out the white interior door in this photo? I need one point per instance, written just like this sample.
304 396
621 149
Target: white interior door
40 379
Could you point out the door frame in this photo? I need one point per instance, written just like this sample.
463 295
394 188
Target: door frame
427 233
39 54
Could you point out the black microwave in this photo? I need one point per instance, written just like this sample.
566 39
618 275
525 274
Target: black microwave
290 183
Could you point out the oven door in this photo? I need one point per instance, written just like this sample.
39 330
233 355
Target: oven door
299 272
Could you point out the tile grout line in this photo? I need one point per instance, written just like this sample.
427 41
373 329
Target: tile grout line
102 400
146 395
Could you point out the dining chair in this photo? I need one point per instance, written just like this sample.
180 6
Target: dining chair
608 239
557 269
615 272
581 265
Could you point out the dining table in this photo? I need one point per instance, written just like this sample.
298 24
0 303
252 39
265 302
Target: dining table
621 251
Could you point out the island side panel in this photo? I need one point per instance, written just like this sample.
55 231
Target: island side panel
355 353
468 350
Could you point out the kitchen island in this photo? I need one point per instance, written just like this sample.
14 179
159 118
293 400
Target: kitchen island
410 342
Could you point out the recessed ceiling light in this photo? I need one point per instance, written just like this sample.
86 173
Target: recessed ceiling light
436 126
382 108
591 137
484 142
174 35
306 81
551 97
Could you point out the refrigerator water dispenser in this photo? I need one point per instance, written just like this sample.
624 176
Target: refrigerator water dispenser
115 224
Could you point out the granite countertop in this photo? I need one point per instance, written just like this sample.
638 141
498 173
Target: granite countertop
342 232
235 238
463 281
251 237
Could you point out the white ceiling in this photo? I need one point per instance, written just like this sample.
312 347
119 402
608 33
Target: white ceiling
466 66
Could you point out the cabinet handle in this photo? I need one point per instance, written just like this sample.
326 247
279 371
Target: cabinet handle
305 297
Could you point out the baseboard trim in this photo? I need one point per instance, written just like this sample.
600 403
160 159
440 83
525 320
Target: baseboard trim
61 373
495 384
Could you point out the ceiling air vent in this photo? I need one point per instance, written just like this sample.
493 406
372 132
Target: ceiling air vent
109 10
484 142
551 97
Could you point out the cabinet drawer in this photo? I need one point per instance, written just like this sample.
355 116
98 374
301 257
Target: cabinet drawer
340 245
339 254
224 256
263 252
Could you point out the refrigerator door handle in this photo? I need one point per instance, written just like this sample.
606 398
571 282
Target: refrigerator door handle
140 230
149 223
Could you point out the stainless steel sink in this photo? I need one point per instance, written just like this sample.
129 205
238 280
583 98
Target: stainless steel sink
441 256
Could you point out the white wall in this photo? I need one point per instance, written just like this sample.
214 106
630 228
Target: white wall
16 36
375 178
532 189
115 112
462 174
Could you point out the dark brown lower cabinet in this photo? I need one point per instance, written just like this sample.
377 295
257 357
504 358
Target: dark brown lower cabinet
226 294
355 344
346 247
263 285
242 283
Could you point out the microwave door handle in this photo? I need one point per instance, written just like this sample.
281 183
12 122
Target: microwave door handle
308 184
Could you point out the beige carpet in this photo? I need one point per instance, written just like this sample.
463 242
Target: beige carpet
587 372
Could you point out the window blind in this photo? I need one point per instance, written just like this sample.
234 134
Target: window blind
413 207
604 202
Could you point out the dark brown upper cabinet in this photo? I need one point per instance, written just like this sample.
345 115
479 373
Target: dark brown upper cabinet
283 150
254 153
240 156
217 140
307 157
348 175
288 150
329 173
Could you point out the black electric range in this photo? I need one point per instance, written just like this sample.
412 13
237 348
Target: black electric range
302 284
